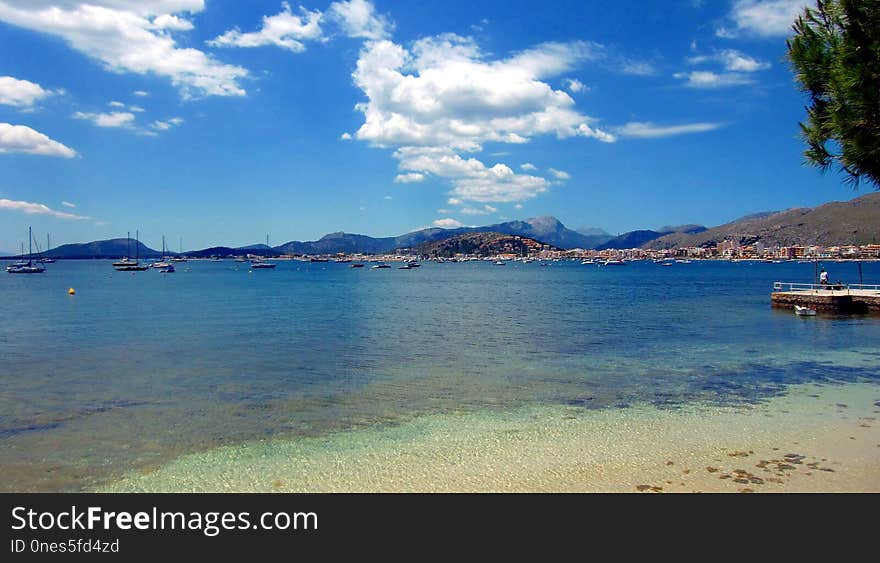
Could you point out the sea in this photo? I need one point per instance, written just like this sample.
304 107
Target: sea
135 371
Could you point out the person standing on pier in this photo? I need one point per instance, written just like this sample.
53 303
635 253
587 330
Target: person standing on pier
823 277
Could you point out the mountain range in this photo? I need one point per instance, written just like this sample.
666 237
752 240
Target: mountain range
851 222
840 222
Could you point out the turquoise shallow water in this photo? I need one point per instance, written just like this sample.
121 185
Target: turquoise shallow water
135 370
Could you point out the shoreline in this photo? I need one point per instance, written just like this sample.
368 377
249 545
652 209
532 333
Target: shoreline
815 438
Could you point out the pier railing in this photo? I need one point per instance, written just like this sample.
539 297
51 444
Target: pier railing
813 287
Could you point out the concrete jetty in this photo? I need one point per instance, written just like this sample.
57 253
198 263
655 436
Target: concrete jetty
843 299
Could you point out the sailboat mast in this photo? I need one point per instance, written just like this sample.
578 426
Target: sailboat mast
30 249
137 245
127 245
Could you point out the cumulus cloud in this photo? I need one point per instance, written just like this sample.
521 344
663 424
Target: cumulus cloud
448 223
735 61
166 124
285 29
732 61
411 178
560 174
764 18
471 179
21 93
444 97
37 209
574 85
648 130
485 210
130 36
112 119
23 139
528 166
358 18
708 79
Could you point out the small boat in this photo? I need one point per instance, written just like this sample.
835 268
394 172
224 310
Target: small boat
666 264
804 311
615 263
380 266
357 265
262 265
169 269
46 260
28 267
405 267
126 264
499 263
413 264
164 263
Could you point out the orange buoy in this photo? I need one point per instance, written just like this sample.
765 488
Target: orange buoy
71 291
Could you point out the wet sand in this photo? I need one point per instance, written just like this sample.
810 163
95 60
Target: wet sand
820 438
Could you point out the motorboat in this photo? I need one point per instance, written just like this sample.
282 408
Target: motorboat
804 311
380 265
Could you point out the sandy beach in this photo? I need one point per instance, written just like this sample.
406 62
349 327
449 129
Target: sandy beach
814 438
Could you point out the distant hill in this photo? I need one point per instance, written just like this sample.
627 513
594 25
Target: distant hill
480 244
842 222
635 239
546 229
114 248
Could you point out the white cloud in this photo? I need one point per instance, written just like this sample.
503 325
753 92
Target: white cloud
485 210
453 201
125 36
174 23
648 130
115 104
136 109
166 124
444 97
112 119
21 93
471 179
345 136
68 204
735 61
518 206
732 61
764 18
23 139
141 93
638 68
388 198
574 85
285 29
411 178
448 223
358 18
36 209
708 79
560 174
528 166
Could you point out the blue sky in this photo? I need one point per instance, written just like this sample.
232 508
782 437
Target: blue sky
219 121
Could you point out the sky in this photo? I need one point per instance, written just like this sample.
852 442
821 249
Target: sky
217 122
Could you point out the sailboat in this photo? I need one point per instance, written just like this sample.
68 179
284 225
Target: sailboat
259 263
47 260
164 263
27 267
180 257
126 265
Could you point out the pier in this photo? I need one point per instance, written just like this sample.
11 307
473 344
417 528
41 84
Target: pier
834 298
